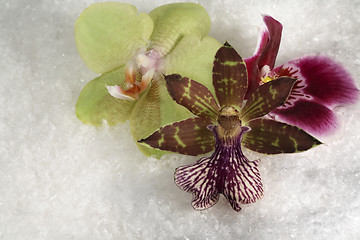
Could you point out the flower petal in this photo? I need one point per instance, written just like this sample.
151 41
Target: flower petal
253 74
193 57
322 80
229 76
174 21
192 95
200 180
269 42
267 97
310 116
272 137
152 111
189 137
95 104
227 171
107 33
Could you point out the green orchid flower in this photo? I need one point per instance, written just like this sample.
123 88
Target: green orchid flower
133 51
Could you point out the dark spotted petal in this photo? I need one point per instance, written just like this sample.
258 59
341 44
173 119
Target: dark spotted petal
229 76
227 171
189 137
310 116
267 97
272 137
321 80
192 95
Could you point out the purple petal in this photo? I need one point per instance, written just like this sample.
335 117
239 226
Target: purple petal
269 43
253 74
227 171
322 80
312 117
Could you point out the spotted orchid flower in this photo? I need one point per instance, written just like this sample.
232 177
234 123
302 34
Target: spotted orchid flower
132 51
227 123
322 84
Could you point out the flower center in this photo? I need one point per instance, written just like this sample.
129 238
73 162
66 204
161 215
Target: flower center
139 71
265 74
229 123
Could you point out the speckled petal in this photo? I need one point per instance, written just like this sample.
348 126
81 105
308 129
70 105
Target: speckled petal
272 137
229 76
190 137
267 97
192 95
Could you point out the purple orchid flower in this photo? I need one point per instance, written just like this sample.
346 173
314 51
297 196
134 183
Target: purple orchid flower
227 124
322 84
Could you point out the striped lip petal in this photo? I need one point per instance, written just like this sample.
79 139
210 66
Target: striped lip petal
192 95
226 172
190 137
267 97
229 76
269 42
272 137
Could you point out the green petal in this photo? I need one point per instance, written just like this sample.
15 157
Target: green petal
154 109
173 21
267 97
193 57
192 95
229 77
190 137
272 137
107 34
95 103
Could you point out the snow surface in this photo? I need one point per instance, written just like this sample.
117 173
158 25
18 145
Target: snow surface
61 179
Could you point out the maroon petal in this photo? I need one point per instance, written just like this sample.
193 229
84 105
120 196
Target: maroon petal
229 76
253 74
227 171
190 137
321 80
310 116
269 43
192 95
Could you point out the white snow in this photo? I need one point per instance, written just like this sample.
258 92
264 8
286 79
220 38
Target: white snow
61 179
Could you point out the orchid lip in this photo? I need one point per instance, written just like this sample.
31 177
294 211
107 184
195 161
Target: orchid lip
226 172
139 71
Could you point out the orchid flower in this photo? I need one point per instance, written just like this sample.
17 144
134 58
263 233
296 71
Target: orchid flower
322 84
227 123
132 51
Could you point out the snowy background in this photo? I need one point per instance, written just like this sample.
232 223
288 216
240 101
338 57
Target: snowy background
61 179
